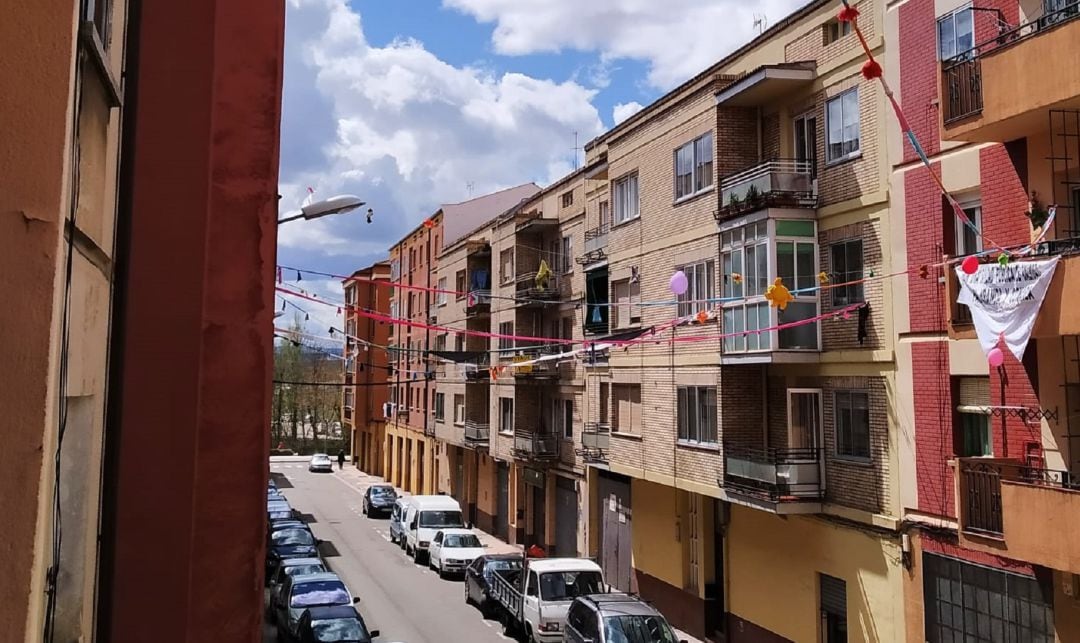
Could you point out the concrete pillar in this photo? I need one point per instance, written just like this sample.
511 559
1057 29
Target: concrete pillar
185 521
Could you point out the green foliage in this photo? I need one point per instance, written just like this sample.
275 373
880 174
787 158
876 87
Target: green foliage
305 418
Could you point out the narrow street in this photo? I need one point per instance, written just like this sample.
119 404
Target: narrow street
404 601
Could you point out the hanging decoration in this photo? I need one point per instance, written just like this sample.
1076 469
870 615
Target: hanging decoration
596 318
737 278
995 357
778 295
702 317
679 283
429 223
823 278
970 265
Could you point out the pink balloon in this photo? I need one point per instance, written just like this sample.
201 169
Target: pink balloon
970 265
678 282
995 357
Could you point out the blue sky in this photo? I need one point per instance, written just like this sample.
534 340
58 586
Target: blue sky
408 103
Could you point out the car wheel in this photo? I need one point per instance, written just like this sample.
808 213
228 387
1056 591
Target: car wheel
468 596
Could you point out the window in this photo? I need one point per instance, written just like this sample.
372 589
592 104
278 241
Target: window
100 13
697 414
626 198
968 240
440 297
506 415
567 199
395 270
693 167
459 408
459 285
804 418
568 328
440 404
506 328
745 251
626 295
974 434
626 403
972 429
567 257
833 598
459 342
847 265
700 278
562 418
956 34
834 30
842 124
605 215
440 342
852 424
506 265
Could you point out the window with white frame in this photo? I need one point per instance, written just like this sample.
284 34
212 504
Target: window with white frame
394 309
506 265
852 424
567 257
626 408
625 195
842 126
700 278
694 166
847 266
459 285
440 297
395 270
459 408
506 328
697 414
440 404
506 415
562 418
969 237
834 30
626 294
956 34
567 199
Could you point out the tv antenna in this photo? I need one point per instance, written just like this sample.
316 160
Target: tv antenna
761 23
470 186
575 150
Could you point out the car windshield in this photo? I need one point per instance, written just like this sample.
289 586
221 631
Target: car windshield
293 537
322 592
500 564
340 629
461 540
637 629
565 586
300 570
319 457
440 519
383 492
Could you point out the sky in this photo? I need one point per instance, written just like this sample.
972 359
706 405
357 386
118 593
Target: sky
409 104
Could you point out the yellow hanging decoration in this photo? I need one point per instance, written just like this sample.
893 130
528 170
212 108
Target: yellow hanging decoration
778 295
822 278
543 275
736 277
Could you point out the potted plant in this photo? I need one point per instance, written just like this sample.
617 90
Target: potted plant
754 197
1037 213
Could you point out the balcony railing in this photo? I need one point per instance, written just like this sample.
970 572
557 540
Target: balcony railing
981 484
478 302
775 475
778 183
596 436
548 369
962 79
534 446
529 291
596 239
477 433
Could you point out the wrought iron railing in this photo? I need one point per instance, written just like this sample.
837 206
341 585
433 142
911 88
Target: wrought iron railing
776 475
773 183
477 432
962 80
981 491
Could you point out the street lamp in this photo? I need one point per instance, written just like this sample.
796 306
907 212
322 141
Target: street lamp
334 205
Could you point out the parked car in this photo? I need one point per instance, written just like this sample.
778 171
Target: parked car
535 599
320 462
426 516
294 542
379 500
270 484
616 618
452 550
302 592
274 494
338 623
478 578
397 521
290 567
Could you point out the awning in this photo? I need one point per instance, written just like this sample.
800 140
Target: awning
766 84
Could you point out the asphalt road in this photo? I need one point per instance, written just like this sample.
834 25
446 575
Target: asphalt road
404 601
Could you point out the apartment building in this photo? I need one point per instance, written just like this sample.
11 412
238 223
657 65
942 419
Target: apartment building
364 397
748 476
990 460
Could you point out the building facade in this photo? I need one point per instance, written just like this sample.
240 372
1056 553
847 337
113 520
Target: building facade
365 395
989 466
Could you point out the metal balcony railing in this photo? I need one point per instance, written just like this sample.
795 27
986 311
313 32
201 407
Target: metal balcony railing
981 491
775 183
548 369
536 446
478 302
477 432
596 239
776 475
596 436
529 291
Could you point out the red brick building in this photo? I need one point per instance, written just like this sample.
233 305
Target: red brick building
989 453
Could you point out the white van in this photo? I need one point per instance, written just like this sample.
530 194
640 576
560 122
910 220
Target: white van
425 516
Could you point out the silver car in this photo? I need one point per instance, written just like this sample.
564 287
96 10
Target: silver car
320 462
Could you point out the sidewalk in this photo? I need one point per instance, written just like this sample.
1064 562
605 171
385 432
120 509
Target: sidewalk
362 481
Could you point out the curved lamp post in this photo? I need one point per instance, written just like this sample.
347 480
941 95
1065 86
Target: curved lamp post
334 205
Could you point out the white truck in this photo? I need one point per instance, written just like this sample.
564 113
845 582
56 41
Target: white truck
534 600
424 517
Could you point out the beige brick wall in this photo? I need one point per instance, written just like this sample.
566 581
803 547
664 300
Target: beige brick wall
842 334
810 45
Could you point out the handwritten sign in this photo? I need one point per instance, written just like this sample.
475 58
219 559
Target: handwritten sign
1005 300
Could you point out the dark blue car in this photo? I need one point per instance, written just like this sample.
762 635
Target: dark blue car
294 542
333 624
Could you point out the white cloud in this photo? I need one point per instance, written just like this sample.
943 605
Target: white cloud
406 131
678 38
623 111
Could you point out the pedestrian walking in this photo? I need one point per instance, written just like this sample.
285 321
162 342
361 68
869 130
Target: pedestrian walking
341 459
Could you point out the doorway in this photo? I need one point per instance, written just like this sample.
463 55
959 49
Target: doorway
805 128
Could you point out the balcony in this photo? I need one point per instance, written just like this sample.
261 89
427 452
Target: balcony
530 293
1002 89
477 433
546 370
478 303
1027 513
595 442
782 481
530 446
595 246
779 183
